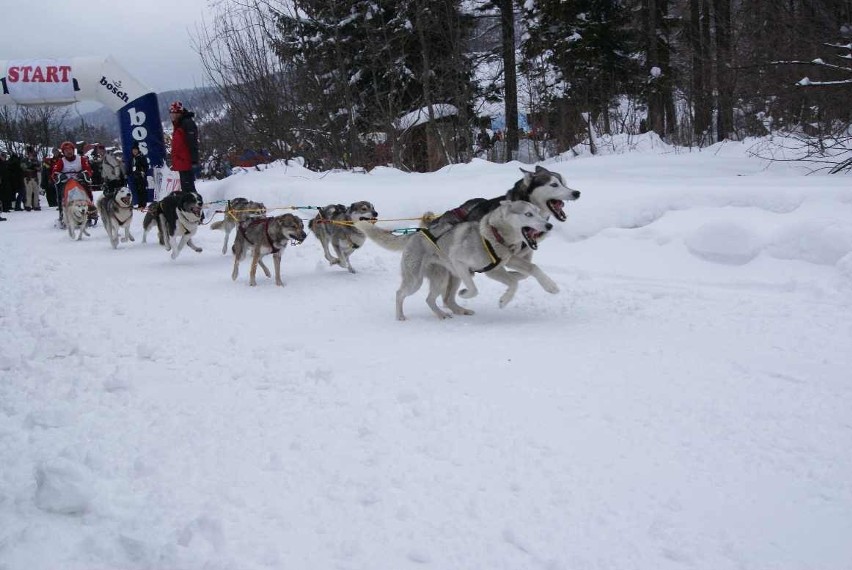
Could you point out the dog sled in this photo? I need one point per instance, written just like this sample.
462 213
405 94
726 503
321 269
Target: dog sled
72 189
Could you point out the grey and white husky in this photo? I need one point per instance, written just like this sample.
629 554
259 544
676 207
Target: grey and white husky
238 210
501 236
263 236
333 228
116 211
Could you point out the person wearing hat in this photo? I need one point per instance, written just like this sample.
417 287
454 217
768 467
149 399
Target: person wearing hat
184 145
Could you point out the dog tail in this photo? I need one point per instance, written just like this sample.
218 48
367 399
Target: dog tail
217 225
385 238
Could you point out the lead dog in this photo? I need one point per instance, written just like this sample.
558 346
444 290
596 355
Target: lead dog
333 228
484 246
180 216
116 211
544 188
238 210
262 237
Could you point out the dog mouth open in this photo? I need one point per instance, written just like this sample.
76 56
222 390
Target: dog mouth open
557 207
372 219
126 200
531 236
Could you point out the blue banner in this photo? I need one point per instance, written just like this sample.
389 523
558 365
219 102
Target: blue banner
140 125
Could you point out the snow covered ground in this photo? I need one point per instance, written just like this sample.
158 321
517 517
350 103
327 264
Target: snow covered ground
683 402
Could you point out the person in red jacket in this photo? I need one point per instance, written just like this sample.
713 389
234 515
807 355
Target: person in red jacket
71 165
184 145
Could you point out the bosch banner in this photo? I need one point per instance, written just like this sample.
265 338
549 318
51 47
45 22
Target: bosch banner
141 126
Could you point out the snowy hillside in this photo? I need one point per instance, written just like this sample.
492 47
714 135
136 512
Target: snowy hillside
683 402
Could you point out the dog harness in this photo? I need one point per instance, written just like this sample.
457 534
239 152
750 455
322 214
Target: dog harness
489 249
265 222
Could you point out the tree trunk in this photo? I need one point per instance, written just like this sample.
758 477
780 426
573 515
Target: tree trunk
701 108
724 75
507 24
656 107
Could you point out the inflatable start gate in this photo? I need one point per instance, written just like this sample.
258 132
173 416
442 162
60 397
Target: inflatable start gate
66 81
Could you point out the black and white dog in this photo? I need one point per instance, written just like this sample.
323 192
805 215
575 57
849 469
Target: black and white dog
116 211
544 188
180 216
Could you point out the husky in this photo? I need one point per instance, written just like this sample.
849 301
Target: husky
333 227
544 188
262 236
485 246
152 218
238 210
116 210
179 218
76 213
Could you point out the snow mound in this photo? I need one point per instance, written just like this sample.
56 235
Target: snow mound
723 242
817 241
64 488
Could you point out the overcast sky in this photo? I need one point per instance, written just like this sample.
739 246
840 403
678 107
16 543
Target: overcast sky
151 39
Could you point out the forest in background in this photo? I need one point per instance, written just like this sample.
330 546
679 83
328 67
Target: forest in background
333 80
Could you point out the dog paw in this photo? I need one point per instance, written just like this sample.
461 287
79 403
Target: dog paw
131 238
463 311
506 298
468 293
550 286
123 240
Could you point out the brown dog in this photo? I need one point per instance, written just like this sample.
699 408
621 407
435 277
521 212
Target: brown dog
264 236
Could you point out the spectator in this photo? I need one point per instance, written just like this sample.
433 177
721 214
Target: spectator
6 194
184 145
15 177
96 162
46 182
30 168
140 177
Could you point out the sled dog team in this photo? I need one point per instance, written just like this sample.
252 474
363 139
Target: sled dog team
495 237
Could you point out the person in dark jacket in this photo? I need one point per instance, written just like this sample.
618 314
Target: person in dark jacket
6 194
46 181
140 177
15 173
184 145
